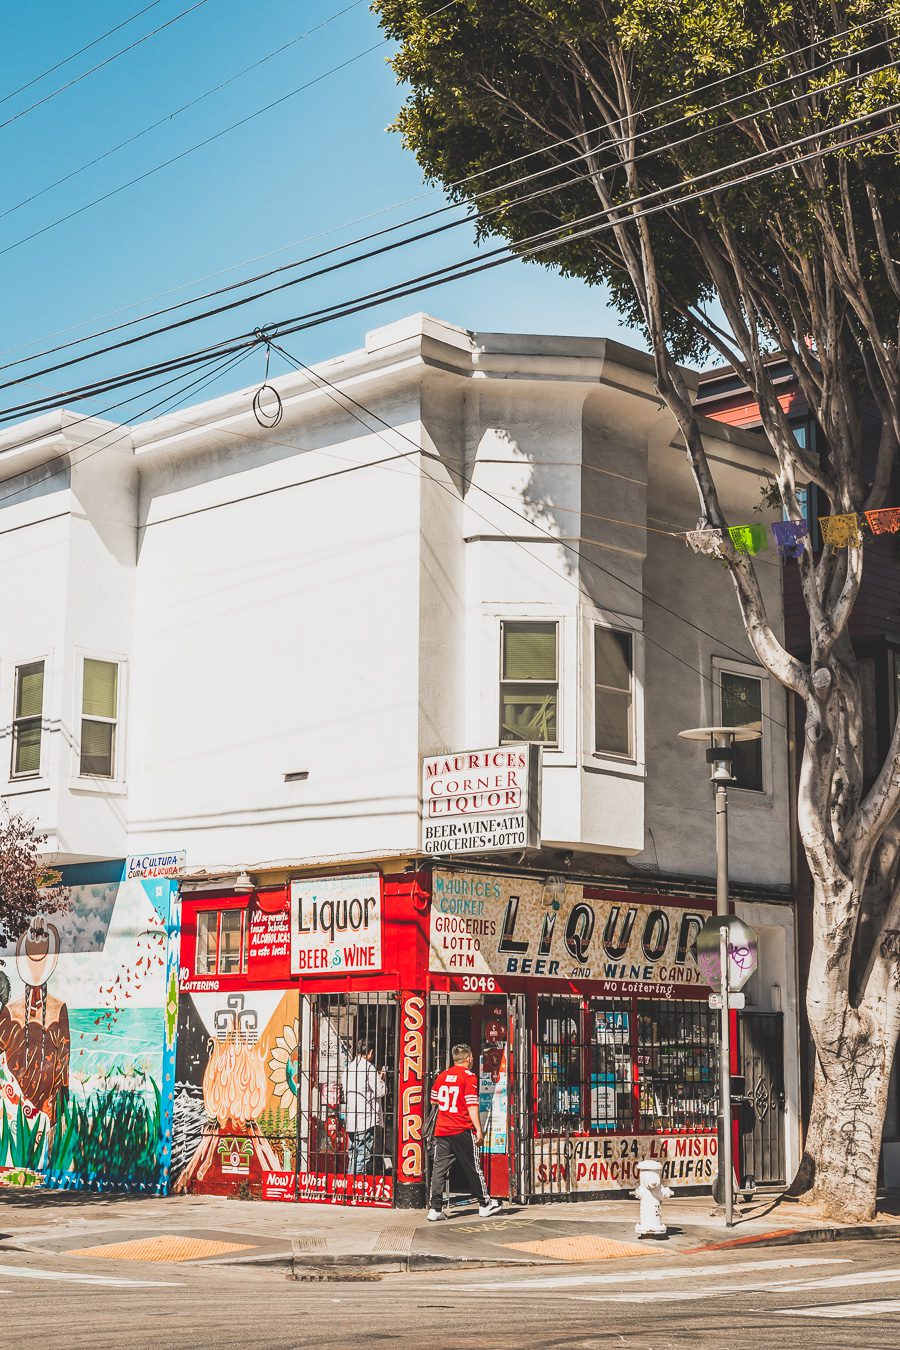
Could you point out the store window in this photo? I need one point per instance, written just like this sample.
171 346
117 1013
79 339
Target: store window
741 699
99 717
622 1066
529 682
676 1056
613 692
28 712
221 942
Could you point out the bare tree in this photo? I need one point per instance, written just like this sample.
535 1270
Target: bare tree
729 171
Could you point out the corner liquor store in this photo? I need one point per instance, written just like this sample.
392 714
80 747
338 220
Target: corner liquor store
594 1042
600 1046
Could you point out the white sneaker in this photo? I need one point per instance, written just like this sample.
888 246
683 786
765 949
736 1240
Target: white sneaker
485 1211
435 1215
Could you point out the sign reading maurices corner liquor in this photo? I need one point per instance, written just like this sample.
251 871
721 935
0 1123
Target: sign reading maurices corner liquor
479 801
485 925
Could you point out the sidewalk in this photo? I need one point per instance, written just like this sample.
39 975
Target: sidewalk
318 1241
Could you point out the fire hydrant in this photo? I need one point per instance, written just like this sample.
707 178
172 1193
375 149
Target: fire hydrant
651 1193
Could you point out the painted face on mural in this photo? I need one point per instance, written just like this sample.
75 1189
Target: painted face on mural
37 953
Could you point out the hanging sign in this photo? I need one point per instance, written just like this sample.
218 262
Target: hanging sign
743 952
336 925
485 925
479 801
150 866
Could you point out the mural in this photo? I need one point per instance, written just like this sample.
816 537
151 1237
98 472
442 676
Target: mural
87 1037
236 1079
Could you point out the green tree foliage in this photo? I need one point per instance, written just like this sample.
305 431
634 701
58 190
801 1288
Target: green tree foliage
649 129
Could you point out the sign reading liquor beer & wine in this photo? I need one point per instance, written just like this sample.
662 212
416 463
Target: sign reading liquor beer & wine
336 925
484 925
481 801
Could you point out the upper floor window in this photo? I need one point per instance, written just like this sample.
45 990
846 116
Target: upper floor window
613 692
529 682
221 942
28 713
99 717
742 697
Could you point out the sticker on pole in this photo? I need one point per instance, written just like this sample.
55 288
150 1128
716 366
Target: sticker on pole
743 952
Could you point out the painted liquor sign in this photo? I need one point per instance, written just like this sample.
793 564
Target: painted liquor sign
487 925
609 1163
479 801
336 925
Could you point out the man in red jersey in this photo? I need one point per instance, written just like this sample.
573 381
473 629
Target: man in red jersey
457 1134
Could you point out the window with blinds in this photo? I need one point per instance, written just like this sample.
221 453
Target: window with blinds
529 682
28 713
613 692
99 716
742 706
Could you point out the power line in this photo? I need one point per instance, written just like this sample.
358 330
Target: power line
608 218
100 64
562 543
212 370
552 169
199 145
176 112
35 79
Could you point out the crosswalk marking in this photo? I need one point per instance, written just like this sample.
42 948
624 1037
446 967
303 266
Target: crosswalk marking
539 1282
876 1307
847 1281
26 1273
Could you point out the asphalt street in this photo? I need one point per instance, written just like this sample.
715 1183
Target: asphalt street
844 1294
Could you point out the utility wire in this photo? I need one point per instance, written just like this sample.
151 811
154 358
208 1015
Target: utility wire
620 213
488 192
212 370
337 394
199 145
35 79
176 112
100 64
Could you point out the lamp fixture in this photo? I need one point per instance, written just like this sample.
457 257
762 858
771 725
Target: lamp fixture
243 881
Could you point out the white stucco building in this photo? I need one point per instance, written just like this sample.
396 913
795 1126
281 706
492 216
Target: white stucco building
241 642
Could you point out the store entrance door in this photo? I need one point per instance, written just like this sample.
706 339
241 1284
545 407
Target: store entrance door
484 1024
761 1047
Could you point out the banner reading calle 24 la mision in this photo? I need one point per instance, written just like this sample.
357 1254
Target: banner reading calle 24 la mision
486 926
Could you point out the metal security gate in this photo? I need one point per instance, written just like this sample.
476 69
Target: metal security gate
346 1099
761 1054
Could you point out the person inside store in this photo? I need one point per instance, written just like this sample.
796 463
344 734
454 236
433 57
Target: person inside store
364 1089
458 1134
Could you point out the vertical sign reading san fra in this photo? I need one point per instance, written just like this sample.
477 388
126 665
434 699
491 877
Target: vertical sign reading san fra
412 1075
336 925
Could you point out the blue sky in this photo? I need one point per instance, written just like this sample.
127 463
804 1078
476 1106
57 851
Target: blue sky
286 184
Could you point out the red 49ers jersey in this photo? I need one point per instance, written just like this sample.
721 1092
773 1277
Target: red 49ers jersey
454 1091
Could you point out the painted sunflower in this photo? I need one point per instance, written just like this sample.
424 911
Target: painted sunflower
283 1069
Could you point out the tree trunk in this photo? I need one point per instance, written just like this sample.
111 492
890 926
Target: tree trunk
855 1051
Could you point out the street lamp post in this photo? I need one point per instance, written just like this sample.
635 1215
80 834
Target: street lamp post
720 757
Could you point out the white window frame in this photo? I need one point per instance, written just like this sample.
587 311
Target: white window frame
632 757
91 782
547 622
28 775
482 681
720 666
15 784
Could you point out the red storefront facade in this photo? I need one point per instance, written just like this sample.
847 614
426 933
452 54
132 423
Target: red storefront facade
593 1038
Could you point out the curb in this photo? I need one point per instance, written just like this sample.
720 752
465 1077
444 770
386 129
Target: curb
805 1237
